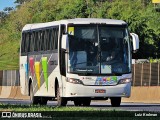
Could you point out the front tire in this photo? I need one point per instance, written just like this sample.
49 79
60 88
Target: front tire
61 101
115 101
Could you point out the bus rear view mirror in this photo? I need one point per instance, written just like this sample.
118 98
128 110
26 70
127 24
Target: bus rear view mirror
135 41
64 42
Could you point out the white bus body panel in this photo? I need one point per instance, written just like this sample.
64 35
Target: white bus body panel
88 89
51 85
23 75
77 90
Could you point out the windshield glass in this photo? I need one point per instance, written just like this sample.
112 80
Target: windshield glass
99 49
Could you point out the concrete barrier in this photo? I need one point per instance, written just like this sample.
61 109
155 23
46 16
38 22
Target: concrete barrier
144 95
17 94
5 92
12 92
9 85
1 76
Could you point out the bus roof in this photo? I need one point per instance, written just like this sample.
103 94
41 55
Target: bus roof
74 21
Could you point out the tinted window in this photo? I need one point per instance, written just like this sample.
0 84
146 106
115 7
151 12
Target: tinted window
40 40
23 42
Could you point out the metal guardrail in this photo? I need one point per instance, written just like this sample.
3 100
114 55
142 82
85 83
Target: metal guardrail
9 78
146 74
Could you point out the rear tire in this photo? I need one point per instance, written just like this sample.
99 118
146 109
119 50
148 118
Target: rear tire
115 101
33 99
61 101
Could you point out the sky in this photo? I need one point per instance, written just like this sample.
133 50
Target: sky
6 3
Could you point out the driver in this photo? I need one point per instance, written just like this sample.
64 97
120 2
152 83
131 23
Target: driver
108 49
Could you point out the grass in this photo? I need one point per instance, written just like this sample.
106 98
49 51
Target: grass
8 107
68 113
9 56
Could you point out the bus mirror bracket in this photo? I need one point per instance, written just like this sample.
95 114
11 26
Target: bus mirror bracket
135 41
64 42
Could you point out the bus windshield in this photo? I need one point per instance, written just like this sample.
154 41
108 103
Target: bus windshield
99 49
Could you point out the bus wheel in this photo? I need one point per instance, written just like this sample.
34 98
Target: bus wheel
33 99
61 101
115 101
86 102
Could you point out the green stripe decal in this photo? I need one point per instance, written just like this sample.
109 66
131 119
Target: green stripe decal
45 70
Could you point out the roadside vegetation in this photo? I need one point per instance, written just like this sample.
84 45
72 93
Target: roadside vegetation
70 113
30 108
140 15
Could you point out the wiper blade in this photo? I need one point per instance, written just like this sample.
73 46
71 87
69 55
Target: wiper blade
119 74
85 74
81 63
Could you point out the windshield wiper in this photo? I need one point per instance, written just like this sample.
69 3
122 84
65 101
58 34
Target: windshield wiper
85 74
84 62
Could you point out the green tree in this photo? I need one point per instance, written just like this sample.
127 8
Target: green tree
21 1
142 19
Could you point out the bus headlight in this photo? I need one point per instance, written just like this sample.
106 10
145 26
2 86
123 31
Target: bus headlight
123 81
74 81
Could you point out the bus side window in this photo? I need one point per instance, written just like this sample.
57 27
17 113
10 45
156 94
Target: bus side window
50 40
45 40
36 42
42 43
23 43
40 40
54 35
28 42
32 42
56 38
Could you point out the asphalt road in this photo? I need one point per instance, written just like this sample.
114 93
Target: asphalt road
102 105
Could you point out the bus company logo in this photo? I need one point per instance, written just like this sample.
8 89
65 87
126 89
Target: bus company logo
6 114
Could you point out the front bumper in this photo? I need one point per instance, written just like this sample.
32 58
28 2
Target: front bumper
78 90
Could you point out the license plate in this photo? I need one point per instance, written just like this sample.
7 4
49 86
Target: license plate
100 91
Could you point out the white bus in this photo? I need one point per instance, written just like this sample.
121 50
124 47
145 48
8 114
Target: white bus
80 59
